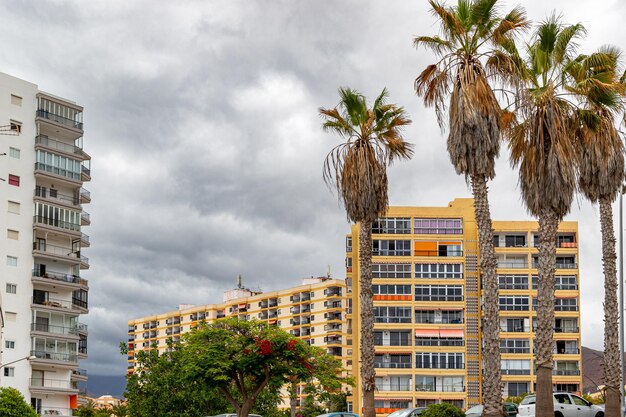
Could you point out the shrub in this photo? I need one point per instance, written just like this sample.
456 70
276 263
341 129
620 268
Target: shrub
442 410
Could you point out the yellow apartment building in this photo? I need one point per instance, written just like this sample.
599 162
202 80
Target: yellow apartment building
427 306
314 311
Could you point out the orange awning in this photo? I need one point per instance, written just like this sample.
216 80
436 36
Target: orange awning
425 246
427 333
451 333
272 321
242 305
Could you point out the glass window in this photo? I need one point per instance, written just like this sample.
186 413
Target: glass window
438 226
392 225
14 153
391 270
11 288
391 247
438 271
11 260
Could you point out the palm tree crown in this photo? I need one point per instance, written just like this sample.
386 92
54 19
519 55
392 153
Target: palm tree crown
373 140
471 30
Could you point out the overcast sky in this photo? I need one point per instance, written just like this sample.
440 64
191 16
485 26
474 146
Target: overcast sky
201 118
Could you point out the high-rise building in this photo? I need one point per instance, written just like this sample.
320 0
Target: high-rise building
314 311
42 291
427 306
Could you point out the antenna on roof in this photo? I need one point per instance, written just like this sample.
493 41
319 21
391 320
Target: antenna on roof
328 273
239 281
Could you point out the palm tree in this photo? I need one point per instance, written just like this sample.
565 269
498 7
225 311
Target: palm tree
357 168
595 81
542 144
471 31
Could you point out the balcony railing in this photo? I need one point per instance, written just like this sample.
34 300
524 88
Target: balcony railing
55 250
439 388
55 144
84 171
392 365
50 328
82 327
74 176
566 372
566 329
559 265
59 119
53 194
85 194
50 383
515 329
394 387
53 302
515 371
57 276
512 265
85 217
79 372
566 351
54 356
419 252
56 223
56 412
436 341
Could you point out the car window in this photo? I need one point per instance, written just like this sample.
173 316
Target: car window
579 401
562 398
400 413
510 407
528 400
477 409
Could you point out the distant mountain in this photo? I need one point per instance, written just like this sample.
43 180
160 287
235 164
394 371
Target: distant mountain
593 369
98 385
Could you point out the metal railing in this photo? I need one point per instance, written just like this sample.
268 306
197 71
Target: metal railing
394 387
56 411
50 383
55 356
79 372
53 302
51 328
57 171
55 250
57 276
512 265
566 372
85 193
84 237
566 329
418 252
59 119
515 371
85 217
392 365
53 194
82 327
55 144
439 388
437 341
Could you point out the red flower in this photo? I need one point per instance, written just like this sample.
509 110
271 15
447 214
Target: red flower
246 351
292 344
265 347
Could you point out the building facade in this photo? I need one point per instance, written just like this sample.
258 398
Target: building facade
314 312
43 293
427 306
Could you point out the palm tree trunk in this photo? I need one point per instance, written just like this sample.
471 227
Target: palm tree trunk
368 373
544 339
491 379
612 368
293 399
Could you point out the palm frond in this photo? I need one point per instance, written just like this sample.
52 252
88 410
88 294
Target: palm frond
564 44
436 44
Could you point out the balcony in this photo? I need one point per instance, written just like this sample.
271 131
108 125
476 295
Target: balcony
57 278
405 386
57 252
82 328
72 177
56 411
53 329
440 388
85 173
512 265
448 253
305 297
62 358
333 292
61 120
79 374
53 195
566 372
56 223
85 196
273 302
568 329
392 365
55 304
51 386
333 340
46 142
515 371
85 219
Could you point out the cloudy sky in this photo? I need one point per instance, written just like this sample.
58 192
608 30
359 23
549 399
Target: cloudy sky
201 118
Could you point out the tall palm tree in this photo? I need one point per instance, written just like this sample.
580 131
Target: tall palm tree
357 168
473 31
595 81
542 144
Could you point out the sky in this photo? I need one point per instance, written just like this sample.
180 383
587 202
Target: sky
201 119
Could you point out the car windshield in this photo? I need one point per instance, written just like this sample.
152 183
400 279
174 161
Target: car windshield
477 409
528 400
401 413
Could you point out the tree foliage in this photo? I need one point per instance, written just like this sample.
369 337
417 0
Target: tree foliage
242 359
12 404
442 410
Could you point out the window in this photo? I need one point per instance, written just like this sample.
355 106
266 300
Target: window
58 165
439 316
391 289
391 248
9 371
57 217
348 244
513 241
514 303
515 325
438 293
16 126
10 316
515 367
9 344
437 271
392 225
566 304
14 207
565 282
11 260
514 346
392 314
14 153
13 234
391 270
516 389
438 226
392 361
513 282
392 338
16 100
14 180
11 288
439 360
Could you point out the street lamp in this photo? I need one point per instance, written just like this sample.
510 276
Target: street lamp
19 360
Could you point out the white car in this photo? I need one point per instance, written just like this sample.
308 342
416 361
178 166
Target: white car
565 405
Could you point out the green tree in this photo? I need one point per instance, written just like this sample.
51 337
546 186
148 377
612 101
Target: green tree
357 168
595 81
442 410
542 144
12 404
157 388
472 31
242 359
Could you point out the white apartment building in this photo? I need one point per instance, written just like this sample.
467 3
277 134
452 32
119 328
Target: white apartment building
42 294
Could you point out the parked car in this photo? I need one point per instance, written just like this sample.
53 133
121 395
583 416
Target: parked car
510 410
338 414
407 412
565 405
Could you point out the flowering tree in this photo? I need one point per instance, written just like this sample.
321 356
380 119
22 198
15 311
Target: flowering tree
242 358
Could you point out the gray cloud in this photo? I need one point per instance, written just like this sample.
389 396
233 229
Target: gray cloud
201 117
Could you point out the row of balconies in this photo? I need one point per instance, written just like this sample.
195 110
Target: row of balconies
420 387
